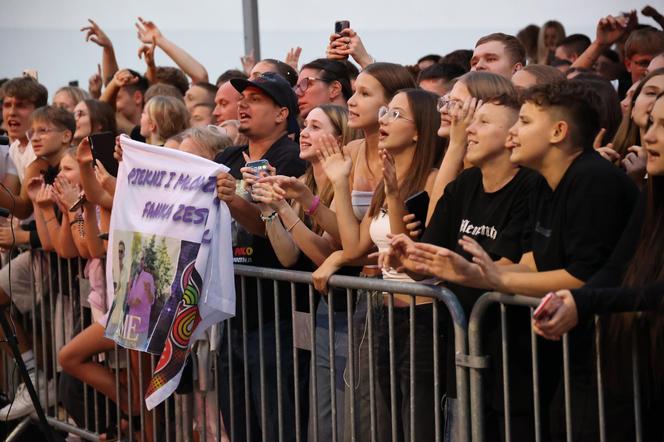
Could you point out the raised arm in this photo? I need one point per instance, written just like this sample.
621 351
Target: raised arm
610 29
149 33
94 192
109 64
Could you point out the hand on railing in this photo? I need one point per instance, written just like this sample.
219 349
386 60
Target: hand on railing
441 263
560 321
328 268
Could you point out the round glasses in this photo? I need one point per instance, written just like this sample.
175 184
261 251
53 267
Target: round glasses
302 86
391 114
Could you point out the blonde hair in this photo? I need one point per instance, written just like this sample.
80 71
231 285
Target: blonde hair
169 115
209 140
543 53
74 92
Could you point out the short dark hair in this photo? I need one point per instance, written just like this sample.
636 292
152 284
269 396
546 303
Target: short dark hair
544 73
576 101
284 69
102 115
460 57
229 75
608 104
430 57
443 71
210 88
331 71
59 117
163 90
173 76
577 43
644 41
353 71
513 46
26 88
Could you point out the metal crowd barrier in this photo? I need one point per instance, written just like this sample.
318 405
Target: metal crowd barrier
478 372
60 301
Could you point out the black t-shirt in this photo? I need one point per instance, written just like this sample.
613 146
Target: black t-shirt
497 220
577 226
248 249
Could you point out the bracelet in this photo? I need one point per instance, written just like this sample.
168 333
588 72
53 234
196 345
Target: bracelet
299 220
269 217
314 206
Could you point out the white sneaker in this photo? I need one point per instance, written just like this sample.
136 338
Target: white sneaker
22 405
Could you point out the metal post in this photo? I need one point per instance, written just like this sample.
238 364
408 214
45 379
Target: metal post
251 31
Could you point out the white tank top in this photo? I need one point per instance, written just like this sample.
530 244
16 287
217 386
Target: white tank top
378 230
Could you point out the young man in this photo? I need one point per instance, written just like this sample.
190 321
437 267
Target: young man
571 47
641 47
267 112
579 212
226 102
51 132
199 93
499 53
438 77
125 93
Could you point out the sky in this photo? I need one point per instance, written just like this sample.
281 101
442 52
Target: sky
44 34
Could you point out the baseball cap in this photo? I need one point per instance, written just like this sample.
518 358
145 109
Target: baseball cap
279 90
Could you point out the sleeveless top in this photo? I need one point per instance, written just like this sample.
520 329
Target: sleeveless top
378 230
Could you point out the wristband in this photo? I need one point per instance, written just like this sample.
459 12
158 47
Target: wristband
269 217
314 206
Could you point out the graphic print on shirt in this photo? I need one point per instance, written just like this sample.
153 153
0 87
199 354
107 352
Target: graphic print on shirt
467 228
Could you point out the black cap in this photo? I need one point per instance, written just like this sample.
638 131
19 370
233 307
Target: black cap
279 90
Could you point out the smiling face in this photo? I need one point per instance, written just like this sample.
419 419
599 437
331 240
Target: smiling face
488 133
401 133
226 102
654 140
363 106
83 123
458 94
69 169
645 100
492 57
316 124
16 116
529 136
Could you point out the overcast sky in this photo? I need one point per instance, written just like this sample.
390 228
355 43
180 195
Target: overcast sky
44 34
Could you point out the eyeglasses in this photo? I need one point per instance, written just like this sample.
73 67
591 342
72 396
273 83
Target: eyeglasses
392 114
42 131
446 103
302 86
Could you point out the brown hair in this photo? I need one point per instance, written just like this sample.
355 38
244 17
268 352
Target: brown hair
528 37
628 133
164 90
209 140
26 88
513 47
544 74
544 54
393 77
75 93
102 116
427 121
644 41
58 117
485 85
173 76
169 115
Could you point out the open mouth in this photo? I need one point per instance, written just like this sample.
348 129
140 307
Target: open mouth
382 133
243 116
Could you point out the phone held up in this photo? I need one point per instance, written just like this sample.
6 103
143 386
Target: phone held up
103 145
340 25
418 204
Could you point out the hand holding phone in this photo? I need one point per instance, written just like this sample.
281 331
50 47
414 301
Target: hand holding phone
547 307
418 204
340 25
103 146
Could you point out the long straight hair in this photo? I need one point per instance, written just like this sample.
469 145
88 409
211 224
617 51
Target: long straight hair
427 121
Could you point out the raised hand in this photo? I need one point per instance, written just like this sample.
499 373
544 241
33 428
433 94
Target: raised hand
346 43
389 174
462 114
95 83
117 152
34 185
336 163
124 77
65 192
248 62
293 57
146 52
95 34
635 163
148 32
103 177
45 196
84 152
610 29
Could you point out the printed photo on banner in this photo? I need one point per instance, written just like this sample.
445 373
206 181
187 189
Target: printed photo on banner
144 270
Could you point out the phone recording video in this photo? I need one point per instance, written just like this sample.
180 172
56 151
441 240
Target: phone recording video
103 145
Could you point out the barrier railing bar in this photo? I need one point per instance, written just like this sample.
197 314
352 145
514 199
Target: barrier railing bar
312 365
333 375
296 372
436 374
636 387
506 378
261 358
351 363
566 382
277 339
600 380
393 371
411 329
372 385
245 355
536 390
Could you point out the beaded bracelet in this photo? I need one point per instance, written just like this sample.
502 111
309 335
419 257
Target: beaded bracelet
269 217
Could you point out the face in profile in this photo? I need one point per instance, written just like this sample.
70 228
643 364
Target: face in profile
83 122
456 97
654 140
316 124
311 90
363 106
643 103
226 102
488 133
529 136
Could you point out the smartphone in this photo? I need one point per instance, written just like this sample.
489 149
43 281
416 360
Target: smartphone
103 145
258 166
73 83
547 307
340 25
32 73
418 205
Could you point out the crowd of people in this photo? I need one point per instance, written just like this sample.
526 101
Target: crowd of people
537 161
